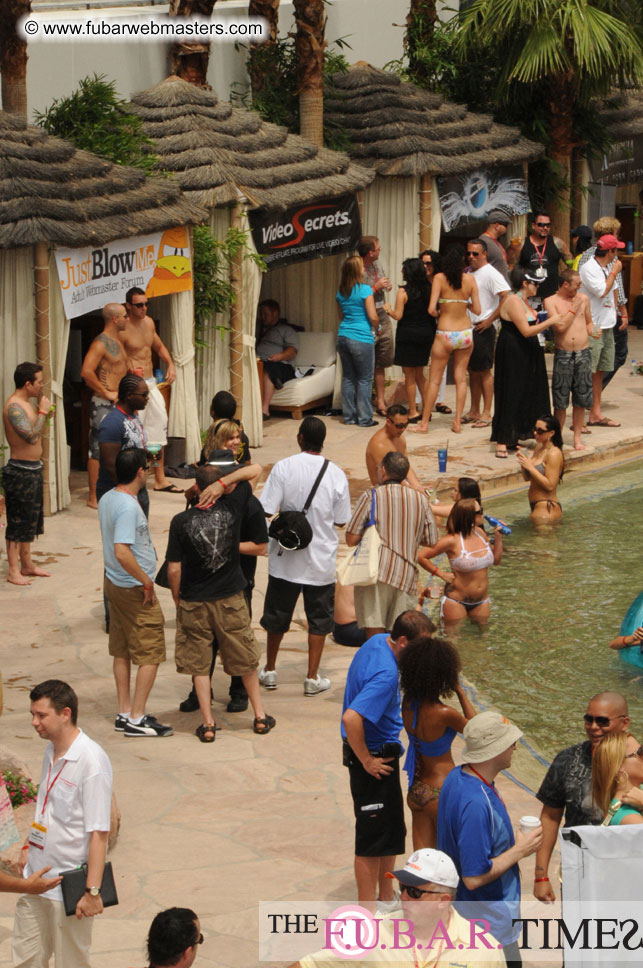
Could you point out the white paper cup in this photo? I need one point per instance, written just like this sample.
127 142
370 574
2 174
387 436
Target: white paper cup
527 824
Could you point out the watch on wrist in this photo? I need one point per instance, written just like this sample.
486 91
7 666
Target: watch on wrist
93 891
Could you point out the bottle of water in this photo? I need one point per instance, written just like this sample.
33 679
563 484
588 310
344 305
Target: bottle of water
497 523
633 369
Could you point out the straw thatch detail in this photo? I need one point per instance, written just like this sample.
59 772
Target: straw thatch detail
216 152
52 192
622 115
399 129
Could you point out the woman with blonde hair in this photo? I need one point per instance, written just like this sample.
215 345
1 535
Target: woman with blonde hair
356 343
224 435
617 769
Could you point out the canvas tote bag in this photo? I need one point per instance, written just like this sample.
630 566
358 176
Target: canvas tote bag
361 567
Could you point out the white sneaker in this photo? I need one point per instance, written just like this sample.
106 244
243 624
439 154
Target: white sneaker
313 686
268 679
388 907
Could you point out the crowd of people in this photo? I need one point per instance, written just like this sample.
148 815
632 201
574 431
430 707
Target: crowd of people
402 673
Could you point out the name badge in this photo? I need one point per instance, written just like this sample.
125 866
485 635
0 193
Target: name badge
37 835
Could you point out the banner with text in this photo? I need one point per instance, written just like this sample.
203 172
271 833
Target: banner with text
306 232
158 264
467 198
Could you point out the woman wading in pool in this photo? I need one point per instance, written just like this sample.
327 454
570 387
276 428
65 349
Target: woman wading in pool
428 675
544 470
470 557
452 293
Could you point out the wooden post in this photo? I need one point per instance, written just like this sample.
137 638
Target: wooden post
425 211
43 352
236 315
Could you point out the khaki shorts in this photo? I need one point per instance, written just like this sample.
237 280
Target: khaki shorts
602 351
384 342
378 605
136 631
227 618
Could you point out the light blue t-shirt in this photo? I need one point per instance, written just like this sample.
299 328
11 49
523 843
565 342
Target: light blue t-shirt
355 324
122 522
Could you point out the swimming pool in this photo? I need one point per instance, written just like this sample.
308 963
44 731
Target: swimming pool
557 601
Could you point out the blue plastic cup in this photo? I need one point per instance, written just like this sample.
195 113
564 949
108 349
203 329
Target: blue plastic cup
629 248
442 459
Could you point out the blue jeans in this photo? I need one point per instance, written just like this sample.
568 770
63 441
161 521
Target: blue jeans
358 362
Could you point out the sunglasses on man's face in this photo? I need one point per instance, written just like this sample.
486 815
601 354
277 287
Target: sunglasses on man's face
543 225
138 305
415 892
601 721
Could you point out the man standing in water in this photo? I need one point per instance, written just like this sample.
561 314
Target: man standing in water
104 367
567 787
24 427
140 339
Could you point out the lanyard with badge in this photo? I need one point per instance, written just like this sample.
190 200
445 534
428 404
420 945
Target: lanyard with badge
38 832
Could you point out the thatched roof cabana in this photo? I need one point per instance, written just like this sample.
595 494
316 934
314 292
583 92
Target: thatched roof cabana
52 192
399 129
217 151
622 115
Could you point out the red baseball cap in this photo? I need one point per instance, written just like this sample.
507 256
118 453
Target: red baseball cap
609 242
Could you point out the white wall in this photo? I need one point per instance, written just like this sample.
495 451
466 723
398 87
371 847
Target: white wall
54 70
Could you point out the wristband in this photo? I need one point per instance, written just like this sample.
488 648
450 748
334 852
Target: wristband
222 483
538 880
43 413
26 847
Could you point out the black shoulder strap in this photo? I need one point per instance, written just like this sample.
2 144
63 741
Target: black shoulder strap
313 490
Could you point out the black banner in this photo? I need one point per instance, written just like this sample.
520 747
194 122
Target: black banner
467 198
623 165
306 232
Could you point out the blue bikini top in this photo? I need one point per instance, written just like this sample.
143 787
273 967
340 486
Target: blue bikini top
434 748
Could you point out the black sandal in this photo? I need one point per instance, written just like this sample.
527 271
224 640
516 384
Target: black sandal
203 730
263 726
442 408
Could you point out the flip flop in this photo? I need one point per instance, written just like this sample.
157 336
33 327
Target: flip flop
381 411
502 454
442 408
467 419
585 430
415 419
483 422
605 422
170 489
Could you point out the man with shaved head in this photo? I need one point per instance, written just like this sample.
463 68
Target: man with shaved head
567 787
103 368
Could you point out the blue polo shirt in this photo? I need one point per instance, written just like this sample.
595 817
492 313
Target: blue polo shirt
474 827
373 691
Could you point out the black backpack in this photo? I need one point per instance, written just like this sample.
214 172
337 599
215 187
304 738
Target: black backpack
291 529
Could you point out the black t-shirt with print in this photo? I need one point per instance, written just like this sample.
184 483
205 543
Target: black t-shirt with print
206 542
568 785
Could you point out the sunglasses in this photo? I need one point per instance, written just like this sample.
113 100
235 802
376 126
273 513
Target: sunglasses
426 262
479 510
543 225
138 305
400 426
473 255
601 721
638 752
540 430
415 893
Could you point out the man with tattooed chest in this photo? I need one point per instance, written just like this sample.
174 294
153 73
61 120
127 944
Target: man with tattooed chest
24 425
103 368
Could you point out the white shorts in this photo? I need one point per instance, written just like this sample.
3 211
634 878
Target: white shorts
154 417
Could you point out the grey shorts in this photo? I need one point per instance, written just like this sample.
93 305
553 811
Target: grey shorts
602 351
572 374
99 407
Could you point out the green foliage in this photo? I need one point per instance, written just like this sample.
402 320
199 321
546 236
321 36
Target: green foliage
278 100
95 119
212 290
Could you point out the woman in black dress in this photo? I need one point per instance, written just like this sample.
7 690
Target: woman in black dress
521 389
415 330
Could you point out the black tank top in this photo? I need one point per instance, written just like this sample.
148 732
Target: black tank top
532 258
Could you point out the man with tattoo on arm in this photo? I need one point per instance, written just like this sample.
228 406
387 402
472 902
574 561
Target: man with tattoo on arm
103 368
24 425
140 339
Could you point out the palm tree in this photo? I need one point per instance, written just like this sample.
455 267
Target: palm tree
190 59
420 24
310 20
570 51
13 57
269 10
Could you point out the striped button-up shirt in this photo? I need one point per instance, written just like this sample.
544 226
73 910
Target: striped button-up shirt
404 521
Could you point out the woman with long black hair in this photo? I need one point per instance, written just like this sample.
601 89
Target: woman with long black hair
544 470
415 332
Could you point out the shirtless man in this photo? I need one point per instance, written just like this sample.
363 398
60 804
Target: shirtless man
103 368
24 426
389 438
139 339
569 312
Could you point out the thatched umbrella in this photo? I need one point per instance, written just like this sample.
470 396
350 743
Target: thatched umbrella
399 129
53 194
622 115
220 155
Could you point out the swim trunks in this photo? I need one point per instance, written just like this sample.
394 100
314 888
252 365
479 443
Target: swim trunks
22 482
572 374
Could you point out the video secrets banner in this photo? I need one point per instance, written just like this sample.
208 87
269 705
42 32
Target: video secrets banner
306 232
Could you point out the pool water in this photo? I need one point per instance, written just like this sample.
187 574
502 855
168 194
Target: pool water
558 599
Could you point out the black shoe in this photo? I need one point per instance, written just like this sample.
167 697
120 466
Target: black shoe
371 423
277 383
191 704
237 704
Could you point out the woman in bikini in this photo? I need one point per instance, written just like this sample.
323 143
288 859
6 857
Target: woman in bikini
452 293
466 487
544 470
470 557
429 674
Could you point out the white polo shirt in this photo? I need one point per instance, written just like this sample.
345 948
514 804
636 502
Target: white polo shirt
593 281
287 488
490 284
78 802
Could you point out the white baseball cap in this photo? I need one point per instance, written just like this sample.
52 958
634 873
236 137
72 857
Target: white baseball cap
428 866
